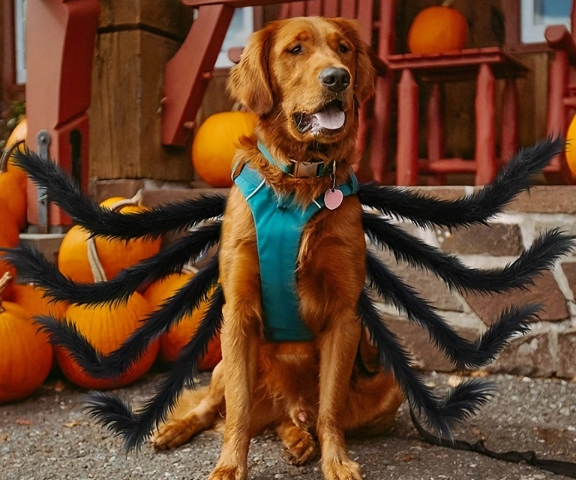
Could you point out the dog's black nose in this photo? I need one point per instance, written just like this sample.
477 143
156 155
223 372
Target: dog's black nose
335 79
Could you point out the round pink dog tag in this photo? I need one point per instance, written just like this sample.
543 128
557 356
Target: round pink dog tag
333 199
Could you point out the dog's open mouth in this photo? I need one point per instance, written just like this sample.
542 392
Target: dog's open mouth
329 119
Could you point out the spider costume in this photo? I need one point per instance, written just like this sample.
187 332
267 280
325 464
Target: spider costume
383 204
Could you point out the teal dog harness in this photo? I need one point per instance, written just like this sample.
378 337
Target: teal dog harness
279 225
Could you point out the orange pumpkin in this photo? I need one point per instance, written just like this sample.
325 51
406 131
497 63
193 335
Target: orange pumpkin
437 30
571 146
13 190
179 335
115 255
9 238
216 142
25 354
33 301
18 136
106 329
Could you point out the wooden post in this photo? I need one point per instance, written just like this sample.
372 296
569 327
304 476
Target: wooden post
435 129
510 123
383 99
485 155
407 157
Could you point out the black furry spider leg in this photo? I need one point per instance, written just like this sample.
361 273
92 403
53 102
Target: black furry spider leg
33 267
442 415
63 333
459 350
134 428
476 208
102 221
541 255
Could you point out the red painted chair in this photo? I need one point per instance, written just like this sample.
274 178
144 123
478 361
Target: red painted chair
187 73
561 91
60 39
482 65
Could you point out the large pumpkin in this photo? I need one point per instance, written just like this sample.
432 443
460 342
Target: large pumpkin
438 30
33 301
106 328
115 255
13 189
216 142
18 136
179 335
25 354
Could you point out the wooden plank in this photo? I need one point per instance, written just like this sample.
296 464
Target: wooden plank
187 73
331 8
314 8
298 9
366 19
348 8
125 115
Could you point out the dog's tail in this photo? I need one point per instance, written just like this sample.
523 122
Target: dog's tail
477 208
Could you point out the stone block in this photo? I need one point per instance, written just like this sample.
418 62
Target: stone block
567 354
545 291
546 199
569 270
427 284
528 356
497 239
417 342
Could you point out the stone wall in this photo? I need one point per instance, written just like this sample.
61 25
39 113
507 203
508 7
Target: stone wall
550 348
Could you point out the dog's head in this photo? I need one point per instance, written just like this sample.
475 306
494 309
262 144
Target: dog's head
306 77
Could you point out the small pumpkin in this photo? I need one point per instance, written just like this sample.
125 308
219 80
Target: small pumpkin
13 189
106 328
17 139
9 238
114 255
25 354
32 299
571 146
179 335
438 30
216 142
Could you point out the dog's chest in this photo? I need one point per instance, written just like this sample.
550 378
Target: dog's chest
285 234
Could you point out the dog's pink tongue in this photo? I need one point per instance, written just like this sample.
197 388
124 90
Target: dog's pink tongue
330 118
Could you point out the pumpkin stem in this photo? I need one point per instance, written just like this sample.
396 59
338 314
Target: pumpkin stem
448 3
7 154
135 201
4 281
189 268
94 261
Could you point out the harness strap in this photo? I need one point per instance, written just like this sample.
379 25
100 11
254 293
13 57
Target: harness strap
279 225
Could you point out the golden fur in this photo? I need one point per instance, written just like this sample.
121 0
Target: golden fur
306 390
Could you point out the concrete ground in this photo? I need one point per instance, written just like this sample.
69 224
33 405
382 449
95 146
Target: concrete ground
49 437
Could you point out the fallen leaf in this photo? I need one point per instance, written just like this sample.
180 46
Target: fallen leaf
22 421
73 423
408 458
60 386
478 374
3 438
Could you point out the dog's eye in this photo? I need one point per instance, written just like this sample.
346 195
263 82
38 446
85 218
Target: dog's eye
296 50
344 48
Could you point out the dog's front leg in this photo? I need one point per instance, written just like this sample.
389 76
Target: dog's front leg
338 345
240 340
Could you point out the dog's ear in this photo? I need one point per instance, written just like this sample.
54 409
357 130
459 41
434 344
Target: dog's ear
365 76
249 81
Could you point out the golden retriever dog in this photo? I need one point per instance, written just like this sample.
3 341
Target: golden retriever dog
305 78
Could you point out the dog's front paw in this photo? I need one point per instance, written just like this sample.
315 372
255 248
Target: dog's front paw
228 473
341 470
173 434
300 447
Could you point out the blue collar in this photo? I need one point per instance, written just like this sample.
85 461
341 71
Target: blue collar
296 169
